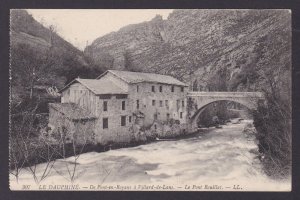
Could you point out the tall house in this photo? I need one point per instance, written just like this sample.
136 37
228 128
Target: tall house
157 97
116 100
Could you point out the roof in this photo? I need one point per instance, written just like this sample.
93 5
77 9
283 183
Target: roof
99 86
137 77
72 111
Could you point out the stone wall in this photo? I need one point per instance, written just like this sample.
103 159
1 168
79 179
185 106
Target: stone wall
81 130
114 132
168 130
176 101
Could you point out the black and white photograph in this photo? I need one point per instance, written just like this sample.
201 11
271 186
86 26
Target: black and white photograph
150 100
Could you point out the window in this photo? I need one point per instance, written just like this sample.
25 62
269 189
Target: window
172 88
129 119
137 104
180 115
123 105
137 88
182 103
105 96
153 88
123 120
160 103
104 105
121 96
168 116
182 89
155 116
105 123
160 88
153 102
167 103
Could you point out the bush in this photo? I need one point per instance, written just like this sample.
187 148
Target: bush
272 121
249 129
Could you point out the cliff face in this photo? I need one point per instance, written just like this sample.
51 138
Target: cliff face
204 48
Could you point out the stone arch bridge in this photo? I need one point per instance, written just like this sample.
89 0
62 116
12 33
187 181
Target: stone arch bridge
198 101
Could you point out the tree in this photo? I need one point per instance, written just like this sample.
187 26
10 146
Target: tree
26 150
195 86
72 137
31 67
273 119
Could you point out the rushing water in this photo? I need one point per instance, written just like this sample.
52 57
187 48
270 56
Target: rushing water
221 157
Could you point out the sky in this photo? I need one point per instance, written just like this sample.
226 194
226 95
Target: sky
81 26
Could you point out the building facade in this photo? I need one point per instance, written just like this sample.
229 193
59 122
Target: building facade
121 103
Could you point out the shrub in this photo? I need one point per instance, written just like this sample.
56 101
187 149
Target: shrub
272 121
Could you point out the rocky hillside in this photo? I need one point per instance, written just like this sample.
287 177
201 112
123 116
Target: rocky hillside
25 29
208 49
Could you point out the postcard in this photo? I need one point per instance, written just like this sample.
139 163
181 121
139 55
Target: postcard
150 100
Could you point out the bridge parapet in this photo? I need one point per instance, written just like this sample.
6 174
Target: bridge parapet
226 94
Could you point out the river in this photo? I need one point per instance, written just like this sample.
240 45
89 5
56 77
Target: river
214 159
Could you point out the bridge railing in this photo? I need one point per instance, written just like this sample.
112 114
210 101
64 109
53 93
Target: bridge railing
226 94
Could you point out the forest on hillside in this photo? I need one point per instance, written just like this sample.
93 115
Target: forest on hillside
41 59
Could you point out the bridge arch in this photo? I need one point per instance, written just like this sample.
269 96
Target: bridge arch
200 100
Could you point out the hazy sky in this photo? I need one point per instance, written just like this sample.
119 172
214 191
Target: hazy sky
79 26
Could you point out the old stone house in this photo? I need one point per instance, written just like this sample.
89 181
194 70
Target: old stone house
118 103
